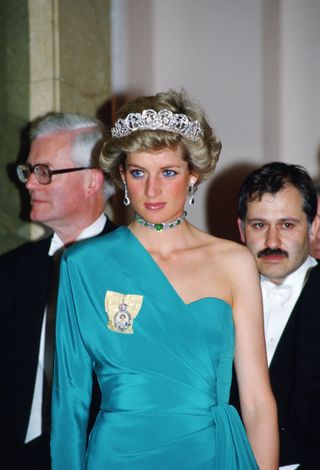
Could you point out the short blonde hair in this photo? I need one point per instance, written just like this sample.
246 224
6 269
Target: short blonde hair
202 155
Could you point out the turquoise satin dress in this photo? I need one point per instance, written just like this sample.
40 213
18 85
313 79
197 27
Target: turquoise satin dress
164 367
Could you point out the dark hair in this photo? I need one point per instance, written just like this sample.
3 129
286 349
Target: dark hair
273 177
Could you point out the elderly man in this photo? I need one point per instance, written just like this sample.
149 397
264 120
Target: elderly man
277 219
68 194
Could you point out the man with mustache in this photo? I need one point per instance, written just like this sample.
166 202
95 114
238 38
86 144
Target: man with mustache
277 218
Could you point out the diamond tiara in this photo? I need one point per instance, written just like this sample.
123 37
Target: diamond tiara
163 120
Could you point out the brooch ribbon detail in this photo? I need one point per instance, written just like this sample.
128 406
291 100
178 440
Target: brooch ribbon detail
121 310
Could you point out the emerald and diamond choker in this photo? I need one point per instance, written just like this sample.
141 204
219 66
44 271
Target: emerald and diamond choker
161 226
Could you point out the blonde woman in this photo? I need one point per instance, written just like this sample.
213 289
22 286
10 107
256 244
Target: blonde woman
159 310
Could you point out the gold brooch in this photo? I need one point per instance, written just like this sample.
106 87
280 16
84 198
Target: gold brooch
121 310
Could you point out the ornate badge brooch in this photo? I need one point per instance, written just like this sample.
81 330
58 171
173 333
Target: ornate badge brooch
121 310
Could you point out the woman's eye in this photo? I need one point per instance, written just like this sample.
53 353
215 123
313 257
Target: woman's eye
136 173
169 173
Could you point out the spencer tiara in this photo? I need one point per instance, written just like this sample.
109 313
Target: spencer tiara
163 120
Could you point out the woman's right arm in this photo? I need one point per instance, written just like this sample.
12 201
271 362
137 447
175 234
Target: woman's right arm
258 406
72 383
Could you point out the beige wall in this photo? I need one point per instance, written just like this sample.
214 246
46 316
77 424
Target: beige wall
252 64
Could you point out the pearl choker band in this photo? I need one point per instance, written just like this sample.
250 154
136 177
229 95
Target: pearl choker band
161 226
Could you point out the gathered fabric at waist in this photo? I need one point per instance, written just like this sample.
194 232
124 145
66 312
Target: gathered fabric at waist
130 393
214 436
168 425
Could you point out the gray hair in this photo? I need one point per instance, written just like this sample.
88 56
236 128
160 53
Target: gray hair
86 144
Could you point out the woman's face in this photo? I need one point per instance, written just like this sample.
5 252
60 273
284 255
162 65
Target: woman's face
158 183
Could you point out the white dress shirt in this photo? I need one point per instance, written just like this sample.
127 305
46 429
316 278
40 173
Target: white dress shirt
278 303
35 420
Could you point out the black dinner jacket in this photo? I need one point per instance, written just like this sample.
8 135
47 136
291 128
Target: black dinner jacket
295 380
24 284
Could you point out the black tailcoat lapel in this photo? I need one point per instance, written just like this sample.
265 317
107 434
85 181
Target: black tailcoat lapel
295 378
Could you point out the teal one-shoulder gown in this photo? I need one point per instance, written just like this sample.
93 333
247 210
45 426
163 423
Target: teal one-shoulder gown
164 367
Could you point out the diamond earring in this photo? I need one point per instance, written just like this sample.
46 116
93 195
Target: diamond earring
191 192
126 200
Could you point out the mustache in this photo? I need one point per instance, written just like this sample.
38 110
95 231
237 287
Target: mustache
272 251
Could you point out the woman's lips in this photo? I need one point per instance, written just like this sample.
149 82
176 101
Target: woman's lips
154 206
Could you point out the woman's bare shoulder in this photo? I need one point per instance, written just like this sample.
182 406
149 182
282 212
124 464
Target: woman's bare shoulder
225 265
227 248
225 254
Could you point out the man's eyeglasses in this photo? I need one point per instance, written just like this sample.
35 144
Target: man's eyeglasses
42 172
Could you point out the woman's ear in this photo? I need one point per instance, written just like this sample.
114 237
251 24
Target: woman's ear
193 178
122 173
